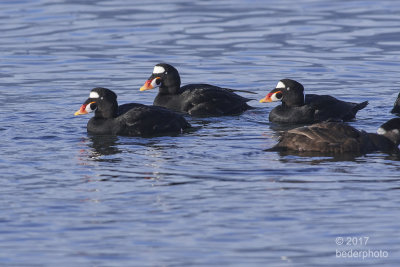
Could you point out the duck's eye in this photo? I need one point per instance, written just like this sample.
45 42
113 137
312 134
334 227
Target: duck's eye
288 88
93 106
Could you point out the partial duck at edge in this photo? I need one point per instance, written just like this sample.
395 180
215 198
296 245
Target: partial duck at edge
339 138
396 106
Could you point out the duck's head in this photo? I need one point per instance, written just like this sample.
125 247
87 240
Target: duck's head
391 130
288 91
101 100
164 76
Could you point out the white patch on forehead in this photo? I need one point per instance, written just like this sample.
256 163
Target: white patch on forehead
94 95
158 69
381 131
280 85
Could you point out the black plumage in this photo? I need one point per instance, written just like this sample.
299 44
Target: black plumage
128 119
396 106
195 99
310 108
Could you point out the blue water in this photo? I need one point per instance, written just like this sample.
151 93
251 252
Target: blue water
211 197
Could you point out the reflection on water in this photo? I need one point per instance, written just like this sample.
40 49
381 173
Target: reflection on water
315 157
104 146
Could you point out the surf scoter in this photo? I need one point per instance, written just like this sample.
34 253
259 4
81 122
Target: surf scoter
396 106
311 108
129 119
195 99
338 137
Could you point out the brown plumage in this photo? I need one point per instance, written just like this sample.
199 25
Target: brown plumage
336 137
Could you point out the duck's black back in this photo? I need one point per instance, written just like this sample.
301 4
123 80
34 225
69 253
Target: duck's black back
142 120
330 108
139 120
204 100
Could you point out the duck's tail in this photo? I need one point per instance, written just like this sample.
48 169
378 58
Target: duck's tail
359 106
396 106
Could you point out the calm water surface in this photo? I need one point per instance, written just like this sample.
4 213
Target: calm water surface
211 197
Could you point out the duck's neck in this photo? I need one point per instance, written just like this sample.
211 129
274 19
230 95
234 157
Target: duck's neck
108 111
393 136
169 90
293 102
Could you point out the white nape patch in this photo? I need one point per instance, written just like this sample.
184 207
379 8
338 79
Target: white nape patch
280 85
381 131
158 69
94 95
